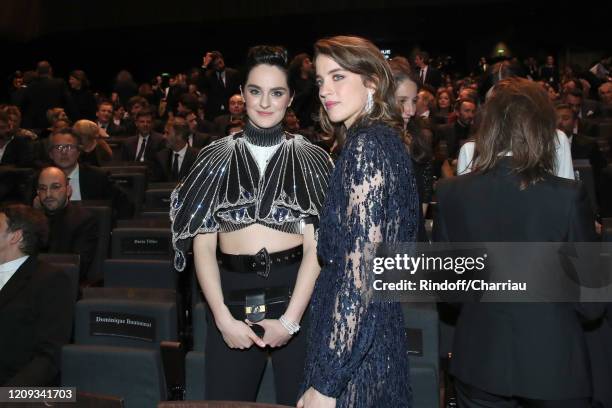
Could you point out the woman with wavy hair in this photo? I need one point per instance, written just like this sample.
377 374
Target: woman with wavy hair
357 349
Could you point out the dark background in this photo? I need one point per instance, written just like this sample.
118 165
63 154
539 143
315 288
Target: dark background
147 38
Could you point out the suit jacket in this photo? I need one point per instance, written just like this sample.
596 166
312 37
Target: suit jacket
201 139
19 152
115 130
163 164
74 230
42 94
433 77
94 183
217 93
221 123
155 143
36 309
454 135
531 350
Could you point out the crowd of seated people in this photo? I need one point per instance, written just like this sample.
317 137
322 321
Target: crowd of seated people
61 143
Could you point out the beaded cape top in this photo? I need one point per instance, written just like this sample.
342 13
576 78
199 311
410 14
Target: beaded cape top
225 190
357 347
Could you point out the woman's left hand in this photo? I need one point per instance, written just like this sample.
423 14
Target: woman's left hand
275 333
314 399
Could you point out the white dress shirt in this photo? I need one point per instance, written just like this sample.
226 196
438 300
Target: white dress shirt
181 157
3 148
75 184
141 140
8 269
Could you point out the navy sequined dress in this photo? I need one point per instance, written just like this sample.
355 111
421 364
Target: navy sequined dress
357 349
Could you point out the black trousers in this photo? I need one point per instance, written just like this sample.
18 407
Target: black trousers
472 397
234 374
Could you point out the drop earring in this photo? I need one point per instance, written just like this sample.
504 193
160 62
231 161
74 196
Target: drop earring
369 103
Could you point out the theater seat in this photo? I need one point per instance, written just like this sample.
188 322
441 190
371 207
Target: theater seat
139 273
421 322
117 348
141 243
133 374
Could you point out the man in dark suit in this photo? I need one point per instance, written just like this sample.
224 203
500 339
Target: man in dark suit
173 162
87 182
145 144
14 150
527 354
219 83
104 116
236 112
43 93
36 303
72 228
197 138
585 108
427 74
453 135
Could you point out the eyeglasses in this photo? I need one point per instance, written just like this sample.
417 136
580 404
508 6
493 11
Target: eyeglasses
65 147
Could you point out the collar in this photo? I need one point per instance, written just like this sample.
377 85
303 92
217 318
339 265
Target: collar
263 137
74 174
181 152
141 136
13 265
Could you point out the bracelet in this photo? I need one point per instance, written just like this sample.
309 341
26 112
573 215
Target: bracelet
291 327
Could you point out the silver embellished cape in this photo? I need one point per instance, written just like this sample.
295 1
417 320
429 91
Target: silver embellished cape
224 190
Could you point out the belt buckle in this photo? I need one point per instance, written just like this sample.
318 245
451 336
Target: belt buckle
263 258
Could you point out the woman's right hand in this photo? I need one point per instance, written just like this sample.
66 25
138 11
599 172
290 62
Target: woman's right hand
237 334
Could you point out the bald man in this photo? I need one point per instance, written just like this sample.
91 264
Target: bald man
236 111
72 229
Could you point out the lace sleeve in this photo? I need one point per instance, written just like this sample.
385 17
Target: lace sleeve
353 325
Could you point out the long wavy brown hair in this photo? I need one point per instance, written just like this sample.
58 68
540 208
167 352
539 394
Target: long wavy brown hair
518 118
360 56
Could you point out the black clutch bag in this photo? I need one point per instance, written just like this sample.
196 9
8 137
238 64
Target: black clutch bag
257 304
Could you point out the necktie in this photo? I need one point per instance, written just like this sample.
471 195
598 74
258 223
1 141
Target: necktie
422 75
175 167
141 151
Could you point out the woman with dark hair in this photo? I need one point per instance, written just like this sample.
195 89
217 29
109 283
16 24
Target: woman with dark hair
85 105
417 135
444 106
255 195
357 348
124 88
527 354
301 80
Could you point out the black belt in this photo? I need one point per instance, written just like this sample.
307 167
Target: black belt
261 261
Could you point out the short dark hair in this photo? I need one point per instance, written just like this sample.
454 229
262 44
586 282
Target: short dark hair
182 130
137 100
269 55
144 112
461 101
106 102
576 93
43 68
562 106
189 101
31 222
65 131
